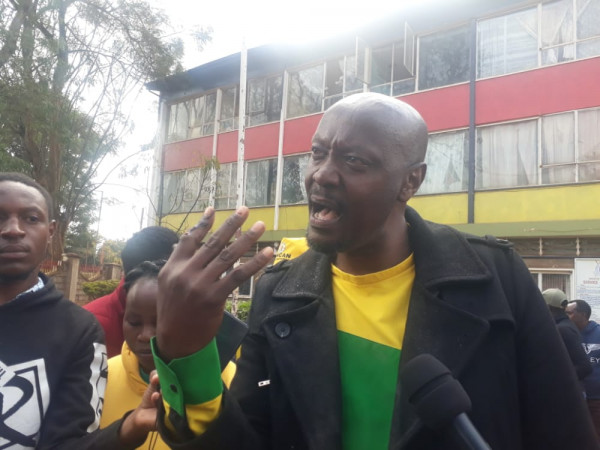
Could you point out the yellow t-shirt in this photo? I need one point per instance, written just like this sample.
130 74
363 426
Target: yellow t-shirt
371 313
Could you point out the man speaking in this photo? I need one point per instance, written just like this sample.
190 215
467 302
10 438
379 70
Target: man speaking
330 329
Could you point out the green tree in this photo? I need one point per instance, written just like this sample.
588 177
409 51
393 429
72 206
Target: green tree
110 251
69 74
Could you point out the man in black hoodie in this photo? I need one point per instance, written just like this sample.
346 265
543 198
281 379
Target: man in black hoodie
556 301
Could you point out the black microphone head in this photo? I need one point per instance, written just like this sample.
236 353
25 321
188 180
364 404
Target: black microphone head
438 398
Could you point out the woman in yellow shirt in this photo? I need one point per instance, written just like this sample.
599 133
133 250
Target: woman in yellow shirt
128 373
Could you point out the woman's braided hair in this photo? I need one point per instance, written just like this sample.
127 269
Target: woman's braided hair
146 269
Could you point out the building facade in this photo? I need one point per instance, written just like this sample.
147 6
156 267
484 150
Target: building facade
510 92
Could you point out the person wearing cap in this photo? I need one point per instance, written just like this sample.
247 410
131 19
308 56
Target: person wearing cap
557 301
579 311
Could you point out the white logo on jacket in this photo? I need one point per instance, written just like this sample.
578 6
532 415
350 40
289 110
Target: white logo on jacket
589 348
24 399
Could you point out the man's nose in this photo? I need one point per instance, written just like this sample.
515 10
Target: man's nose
326 173
11 227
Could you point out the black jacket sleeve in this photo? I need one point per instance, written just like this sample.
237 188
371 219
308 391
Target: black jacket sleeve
580 361
76 403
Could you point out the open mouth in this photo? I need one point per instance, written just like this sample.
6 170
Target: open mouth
324 213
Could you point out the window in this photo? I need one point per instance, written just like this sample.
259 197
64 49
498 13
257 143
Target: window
588 139
567 35
261 177
293 190
507 44
568 30
226 191
447 163
556 280
265 97
588 28
444 58
185 191
305 93
179 119
557 32
507 155
392 71
229 109
568 149
558 149
203 115
340 80
571 147
192 118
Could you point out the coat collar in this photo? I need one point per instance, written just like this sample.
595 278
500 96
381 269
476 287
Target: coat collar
442 256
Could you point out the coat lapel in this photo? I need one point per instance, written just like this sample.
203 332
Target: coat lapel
447 333
302 329
303 339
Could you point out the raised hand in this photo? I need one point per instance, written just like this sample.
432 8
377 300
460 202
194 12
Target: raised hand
192 291
142 420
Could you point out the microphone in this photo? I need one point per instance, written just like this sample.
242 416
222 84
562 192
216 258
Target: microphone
440 400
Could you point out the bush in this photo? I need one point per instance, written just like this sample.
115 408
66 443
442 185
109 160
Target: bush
95 289
243 308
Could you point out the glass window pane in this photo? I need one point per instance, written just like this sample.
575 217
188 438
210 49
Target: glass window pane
293 190
226 191
334 82
507 155
444 58
172 199
403 87
507 44
588 18
352 83
558 32
264 100
203 115
401 70
589 144
256 95
179 119
381 65
305 94
261 177
447 163
557 281
229 109
588 28
558 147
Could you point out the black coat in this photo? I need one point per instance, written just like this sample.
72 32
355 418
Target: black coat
474 306
572 340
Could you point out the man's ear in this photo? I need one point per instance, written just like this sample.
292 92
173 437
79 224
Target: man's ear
413 179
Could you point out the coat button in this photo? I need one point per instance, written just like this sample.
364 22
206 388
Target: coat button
283 329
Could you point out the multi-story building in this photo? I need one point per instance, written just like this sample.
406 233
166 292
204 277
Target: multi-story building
510 92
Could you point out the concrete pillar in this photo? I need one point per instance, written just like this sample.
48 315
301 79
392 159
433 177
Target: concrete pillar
72 276
112 271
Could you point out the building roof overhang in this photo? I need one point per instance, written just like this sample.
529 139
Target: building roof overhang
275 58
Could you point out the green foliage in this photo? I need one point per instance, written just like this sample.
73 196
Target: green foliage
243 309
69 74
110 251
95 289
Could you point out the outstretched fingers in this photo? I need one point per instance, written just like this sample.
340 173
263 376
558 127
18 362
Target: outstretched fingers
244 271
192 239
